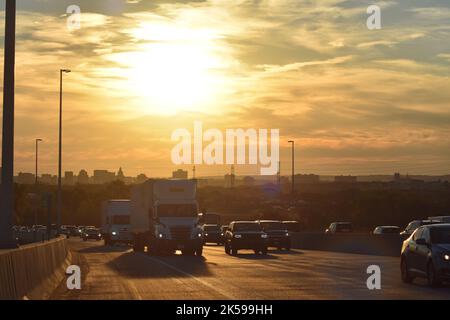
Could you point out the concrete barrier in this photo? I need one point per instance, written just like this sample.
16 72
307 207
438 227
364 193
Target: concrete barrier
33 271
383 245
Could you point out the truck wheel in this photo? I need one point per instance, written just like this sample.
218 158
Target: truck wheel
234 252
199 252
227 248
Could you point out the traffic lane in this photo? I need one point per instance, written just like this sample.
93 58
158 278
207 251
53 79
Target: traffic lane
118 273
301 274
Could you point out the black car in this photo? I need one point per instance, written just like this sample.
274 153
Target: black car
92 233
245 235
426 253
211 233
277 234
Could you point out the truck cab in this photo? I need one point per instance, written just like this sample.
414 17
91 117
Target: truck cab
165 217
116 222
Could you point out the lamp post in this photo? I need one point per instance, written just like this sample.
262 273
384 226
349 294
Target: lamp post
59 194
36 182
293 167
6 202
37 158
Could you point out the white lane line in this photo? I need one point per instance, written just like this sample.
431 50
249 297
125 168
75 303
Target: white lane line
203 282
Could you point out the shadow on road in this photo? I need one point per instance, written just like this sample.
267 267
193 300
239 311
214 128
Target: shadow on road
250 256
290 252
104 249
139 265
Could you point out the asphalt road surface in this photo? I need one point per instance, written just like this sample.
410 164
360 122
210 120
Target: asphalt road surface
119 273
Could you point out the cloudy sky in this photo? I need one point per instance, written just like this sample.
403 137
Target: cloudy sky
356 101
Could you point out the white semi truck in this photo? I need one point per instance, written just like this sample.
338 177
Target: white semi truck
116 217
164 217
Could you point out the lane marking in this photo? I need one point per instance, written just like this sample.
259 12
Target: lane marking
203 282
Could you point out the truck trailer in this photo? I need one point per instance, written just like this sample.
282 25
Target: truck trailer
164 217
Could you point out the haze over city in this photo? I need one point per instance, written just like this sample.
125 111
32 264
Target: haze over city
355 101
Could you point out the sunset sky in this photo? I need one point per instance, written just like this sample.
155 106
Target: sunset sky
355 101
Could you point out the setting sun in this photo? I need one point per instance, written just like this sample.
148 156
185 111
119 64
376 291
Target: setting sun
177 70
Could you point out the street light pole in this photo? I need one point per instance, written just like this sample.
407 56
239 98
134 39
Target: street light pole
36 182
7 180
293 167
37 157
59 194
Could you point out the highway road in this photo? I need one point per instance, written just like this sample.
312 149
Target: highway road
119 273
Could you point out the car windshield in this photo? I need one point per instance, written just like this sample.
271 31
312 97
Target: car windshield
273 226
121 219
440 235
344 227
249 226
390 230
211 228
177 210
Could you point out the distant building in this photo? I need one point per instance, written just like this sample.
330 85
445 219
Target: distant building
69 178
180 174
248 181
83 177
120 175
103 176
25 178
48 179
306 178
346 179
141 178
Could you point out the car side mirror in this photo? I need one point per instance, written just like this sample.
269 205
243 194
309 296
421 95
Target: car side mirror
421 242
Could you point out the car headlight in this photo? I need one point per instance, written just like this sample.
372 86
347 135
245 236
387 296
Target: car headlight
114 233
264 236
238 236
287 234
447 257
206 234
221 234
160 235
99 234
199 235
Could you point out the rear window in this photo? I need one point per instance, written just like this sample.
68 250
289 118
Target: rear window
440 235
246 227
273 226
123 219
211 228
344 227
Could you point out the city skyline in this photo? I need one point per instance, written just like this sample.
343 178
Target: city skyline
356 101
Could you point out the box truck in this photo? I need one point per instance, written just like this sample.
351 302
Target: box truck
164 217
116 216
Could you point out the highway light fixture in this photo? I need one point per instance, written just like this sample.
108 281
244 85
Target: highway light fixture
59 194
293 167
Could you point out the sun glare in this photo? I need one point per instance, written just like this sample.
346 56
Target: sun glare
176 69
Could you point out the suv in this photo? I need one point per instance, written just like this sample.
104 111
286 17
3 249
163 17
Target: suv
426 253
340 227
211 233
245 235
277 234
